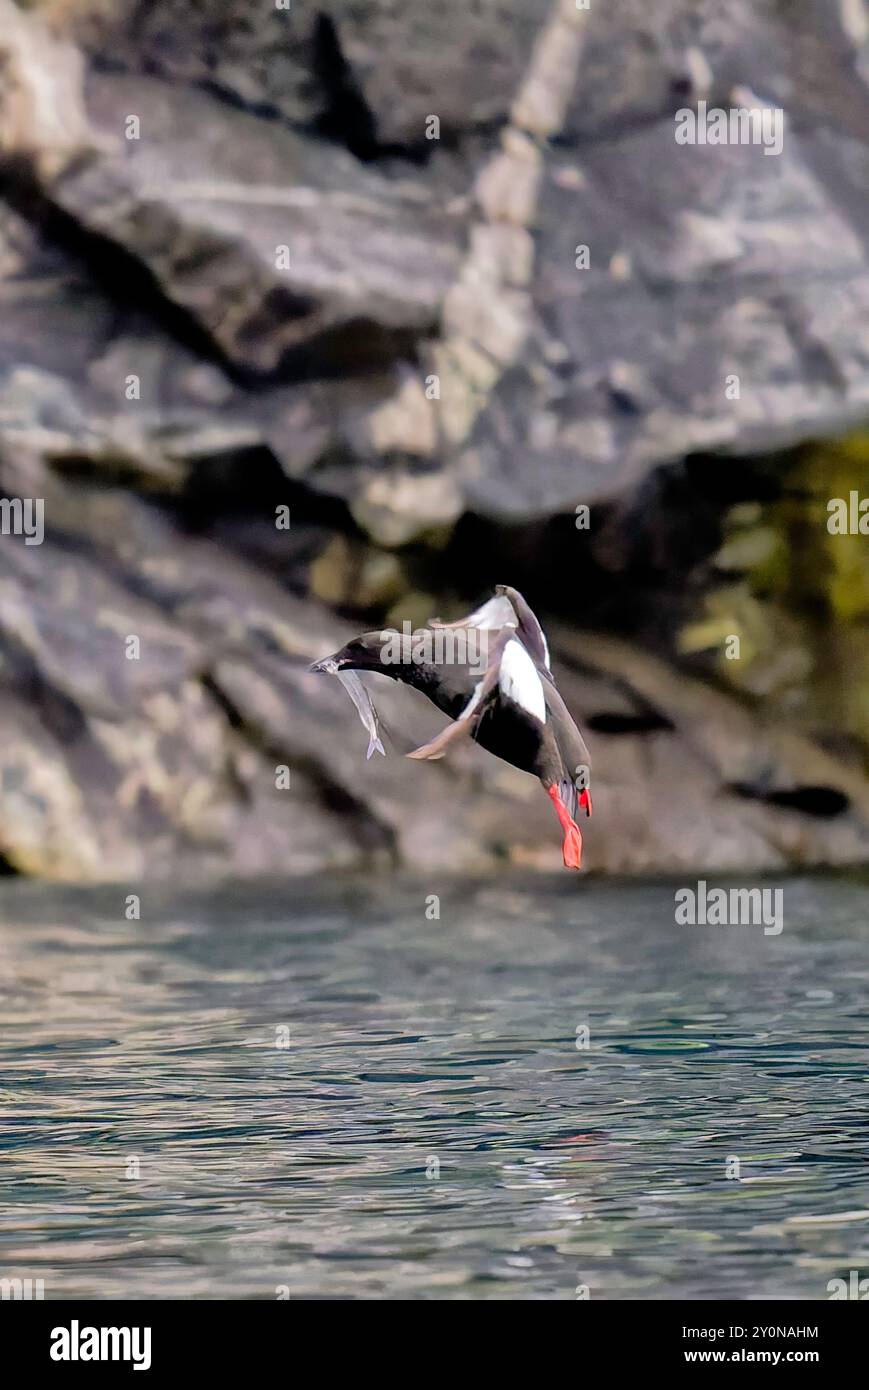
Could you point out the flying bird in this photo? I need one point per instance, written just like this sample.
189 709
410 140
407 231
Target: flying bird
490 674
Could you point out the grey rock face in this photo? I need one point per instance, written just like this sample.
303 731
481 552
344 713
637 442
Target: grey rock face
685 298
266 59
281 292
723 309
375 71
707 265
266 239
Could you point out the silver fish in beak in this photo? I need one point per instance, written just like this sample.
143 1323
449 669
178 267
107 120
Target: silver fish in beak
335 666
364 708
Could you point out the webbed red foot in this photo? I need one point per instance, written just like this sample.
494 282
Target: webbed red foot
571 848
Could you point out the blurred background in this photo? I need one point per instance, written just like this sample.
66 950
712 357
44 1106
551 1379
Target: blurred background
322 317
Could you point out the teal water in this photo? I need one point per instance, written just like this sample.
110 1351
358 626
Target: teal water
432 1129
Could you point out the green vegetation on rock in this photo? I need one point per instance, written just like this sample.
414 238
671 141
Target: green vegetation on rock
796 594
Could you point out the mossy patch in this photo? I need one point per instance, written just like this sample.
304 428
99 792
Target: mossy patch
796 595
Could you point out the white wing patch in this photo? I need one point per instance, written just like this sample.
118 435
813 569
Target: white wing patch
519 681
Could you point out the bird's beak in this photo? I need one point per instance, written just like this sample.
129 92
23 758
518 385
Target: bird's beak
328 664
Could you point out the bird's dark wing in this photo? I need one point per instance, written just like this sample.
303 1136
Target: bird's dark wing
484 693
572 750
530 630
508 606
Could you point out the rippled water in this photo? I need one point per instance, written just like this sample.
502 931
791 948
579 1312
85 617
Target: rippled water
417 1045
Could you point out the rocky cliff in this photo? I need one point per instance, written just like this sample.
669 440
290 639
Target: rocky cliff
427 281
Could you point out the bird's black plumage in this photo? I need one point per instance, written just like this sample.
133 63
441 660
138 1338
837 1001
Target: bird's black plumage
490 674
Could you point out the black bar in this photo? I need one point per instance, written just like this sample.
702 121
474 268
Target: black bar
625 1337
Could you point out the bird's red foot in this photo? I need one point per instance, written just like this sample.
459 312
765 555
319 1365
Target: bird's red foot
585 800
571 849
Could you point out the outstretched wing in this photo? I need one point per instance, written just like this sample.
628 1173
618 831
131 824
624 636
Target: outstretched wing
508 607
498 612
529 627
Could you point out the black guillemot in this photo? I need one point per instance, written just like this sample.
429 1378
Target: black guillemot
490 673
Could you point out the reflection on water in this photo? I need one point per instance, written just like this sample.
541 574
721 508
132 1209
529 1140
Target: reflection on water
419 1045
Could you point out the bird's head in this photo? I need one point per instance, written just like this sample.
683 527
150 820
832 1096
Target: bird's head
364 653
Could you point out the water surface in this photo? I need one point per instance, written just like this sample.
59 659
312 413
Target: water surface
432 1129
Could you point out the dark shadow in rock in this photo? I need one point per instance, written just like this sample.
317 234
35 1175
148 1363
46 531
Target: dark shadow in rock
356 348
822 802
648 722
348 119
115 272
279 306
224 488
8 870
